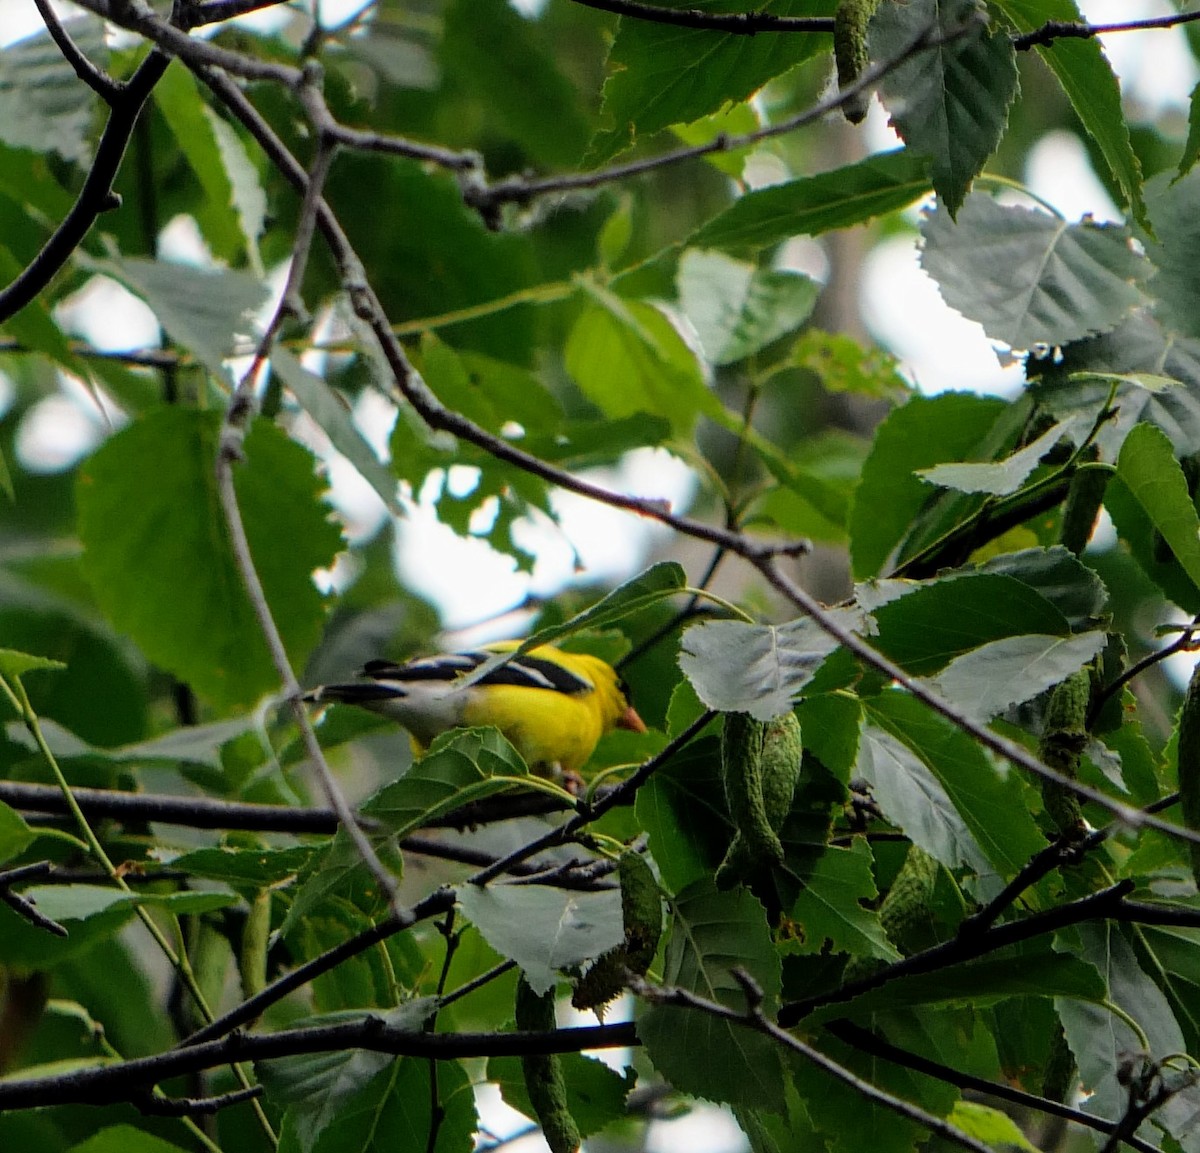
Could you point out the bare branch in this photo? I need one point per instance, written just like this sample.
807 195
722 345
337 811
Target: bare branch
95 197
755 1019
95 78
734 23
877 1046
1053 30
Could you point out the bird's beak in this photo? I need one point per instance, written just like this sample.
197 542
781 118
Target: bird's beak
630 720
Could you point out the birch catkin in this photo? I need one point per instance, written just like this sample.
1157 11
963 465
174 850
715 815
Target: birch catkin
544 1080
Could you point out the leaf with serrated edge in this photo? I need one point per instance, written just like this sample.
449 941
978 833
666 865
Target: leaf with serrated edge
1029 278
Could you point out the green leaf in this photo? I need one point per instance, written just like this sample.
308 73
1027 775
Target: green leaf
596 1094
462 765
393 1110
1102 1042
839 199
1092 88
682 808
661 75
158 557
1061 578
177 97
737 309
332 412
757 669
124 1139
712 933
1032 971
627 358
43 105
1006 476
17 664
1029 278
913 799
841 364
1133 348
989 1125
925 431
245 869
925 625
197 745
15 835
829 908
1151 508
1175 250
938 758
950 102
992 678
203 309
76 902
499 57
544 929
1191 148
320 1087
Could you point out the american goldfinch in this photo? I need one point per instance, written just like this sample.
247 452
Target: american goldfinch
553 706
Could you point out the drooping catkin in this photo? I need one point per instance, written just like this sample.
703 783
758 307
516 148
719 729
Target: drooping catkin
904 911
544 1080
760 768
851 20
1064 737
641 914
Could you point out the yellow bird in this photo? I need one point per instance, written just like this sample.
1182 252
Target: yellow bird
553 706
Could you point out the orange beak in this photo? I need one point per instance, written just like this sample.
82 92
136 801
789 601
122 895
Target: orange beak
630 720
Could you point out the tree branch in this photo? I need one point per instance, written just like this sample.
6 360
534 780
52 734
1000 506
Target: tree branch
734 23
868 1042
95 197
127 1080
95 78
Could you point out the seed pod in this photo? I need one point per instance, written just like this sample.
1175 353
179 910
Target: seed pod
850 23
1189 763
904 912
641 912
1064 737
905 909
252 956
543 1073
760 766
1084 498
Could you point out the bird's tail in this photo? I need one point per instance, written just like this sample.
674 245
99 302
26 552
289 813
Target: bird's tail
353 693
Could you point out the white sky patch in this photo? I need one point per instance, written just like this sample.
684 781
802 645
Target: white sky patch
938 348
109 317
1059 170
471 582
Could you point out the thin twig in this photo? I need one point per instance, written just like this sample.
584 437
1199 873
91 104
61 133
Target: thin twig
733 23
1068 30
95 197
868 1042
1012 752
754 1018
125 1080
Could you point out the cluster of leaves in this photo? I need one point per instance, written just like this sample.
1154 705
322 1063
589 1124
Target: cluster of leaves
554 325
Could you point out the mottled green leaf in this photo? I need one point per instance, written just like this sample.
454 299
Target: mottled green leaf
737 309
711 933
950 102
1030 278
158 556
838 199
